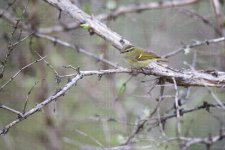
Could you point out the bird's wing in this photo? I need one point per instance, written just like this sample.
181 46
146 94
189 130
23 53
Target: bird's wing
148 55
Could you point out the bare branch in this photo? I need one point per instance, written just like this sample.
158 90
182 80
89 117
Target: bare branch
11 110
151 5
182 77
90 137
27 97
178 114
9 18
206 21
215 97
157 119
138 7
73 46
91 22
17 73
195 44
42 104
218 14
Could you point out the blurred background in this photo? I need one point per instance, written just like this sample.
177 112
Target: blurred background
105 111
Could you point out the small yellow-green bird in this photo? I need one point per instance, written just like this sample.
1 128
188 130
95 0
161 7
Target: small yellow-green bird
139 57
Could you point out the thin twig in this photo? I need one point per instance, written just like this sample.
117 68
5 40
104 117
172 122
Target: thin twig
195 44
90 137
217 13
14 76
206 21
78 49
39 106
177 107
161 124
216 98
27 97
11 110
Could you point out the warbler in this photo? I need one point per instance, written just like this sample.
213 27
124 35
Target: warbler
139 57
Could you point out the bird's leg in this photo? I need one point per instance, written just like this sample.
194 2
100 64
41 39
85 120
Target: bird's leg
134 71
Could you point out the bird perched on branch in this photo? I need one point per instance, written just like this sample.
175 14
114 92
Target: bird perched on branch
139 57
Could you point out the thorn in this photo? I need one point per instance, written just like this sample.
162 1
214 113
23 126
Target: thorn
58 90
78 70
55 41
1 75
99 77
4 131
58 79
122 41
69 80
60 14
19 116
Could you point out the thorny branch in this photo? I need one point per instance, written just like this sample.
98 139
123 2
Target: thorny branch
183 78
186 77
63 90
18 72
178 77
195 44
42 104
58 94
122 10
9 18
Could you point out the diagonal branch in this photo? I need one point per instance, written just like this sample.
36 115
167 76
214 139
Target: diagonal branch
57 95
13 20
82 74
90 22
182 77
42 104
121 10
